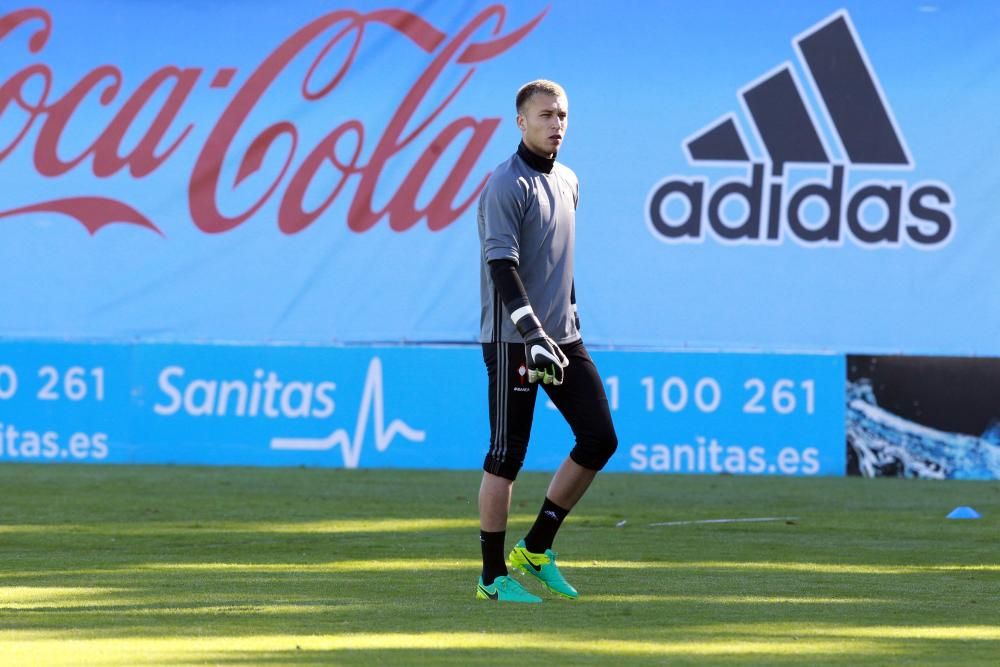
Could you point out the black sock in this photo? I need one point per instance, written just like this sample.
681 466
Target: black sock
543 532
494 564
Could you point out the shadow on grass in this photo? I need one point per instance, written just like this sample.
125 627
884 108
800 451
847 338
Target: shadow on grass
169 596
244 563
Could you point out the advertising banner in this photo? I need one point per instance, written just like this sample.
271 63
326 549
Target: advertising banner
245 233
767 176
404 407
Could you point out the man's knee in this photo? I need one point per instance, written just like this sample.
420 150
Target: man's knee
594 452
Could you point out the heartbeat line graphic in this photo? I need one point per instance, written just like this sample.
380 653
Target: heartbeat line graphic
351 448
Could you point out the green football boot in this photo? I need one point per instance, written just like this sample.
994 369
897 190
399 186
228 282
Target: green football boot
542 567
505 589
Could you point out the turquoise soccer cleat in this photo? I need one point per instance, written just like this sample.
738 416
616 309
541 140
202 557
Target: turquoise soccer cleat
542 567
505 589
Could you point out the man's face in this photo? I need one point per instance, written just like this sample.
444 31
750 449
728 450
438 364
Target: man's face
542 120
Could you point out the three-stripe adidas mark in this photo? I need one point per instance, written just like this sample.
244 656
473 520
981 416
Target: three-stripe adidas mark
773 202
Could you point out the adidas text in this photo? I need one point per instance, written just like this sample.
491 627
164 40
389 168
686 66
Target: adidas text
919 213
800 181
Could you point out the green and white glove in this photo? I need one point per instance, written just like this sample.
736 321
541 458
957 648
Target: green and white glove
546 363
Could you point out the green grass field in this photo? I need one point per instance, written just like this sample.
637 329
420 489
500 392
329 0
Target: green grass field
175 565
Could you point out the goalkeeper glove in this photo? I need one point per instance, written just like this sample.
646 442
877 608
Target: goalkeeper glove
543 358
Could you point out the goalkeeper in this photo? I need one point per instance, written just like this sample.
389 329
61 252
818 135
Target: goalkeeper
531 337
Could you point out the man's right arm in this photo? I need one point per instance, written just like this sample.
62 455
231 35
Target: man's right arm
503 206
544 359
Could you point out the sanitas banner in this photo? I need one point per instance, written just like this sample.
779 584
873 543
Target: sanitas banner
396 407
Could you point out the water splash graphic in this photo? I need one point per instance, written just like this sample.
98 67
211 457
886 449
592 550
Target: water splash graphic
887 445
372 399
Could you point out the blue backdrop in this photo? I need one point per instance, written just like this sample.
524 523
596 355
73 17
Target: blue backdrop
404 407
193 171
245 233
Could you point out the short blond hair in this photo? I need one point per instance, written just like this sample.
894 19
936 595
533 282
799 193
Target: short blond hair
538 86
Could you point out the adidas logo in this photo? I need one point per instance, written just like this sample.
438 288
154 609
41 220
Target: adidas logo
781 197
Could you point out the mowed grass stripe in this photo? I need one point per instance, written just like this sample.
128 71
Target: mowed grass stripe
124 565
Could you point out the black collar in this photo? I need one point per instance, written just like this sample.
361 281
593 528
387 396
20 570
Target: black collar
534 160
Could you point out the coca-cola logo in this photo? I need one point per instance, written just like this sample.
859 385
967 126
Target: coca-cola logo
27 96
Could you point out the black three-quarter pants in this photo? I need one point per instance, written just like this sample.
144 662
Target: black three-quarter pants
580 399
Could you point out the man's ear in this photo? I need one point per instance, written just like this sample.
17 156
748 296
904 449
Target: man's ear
520 122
